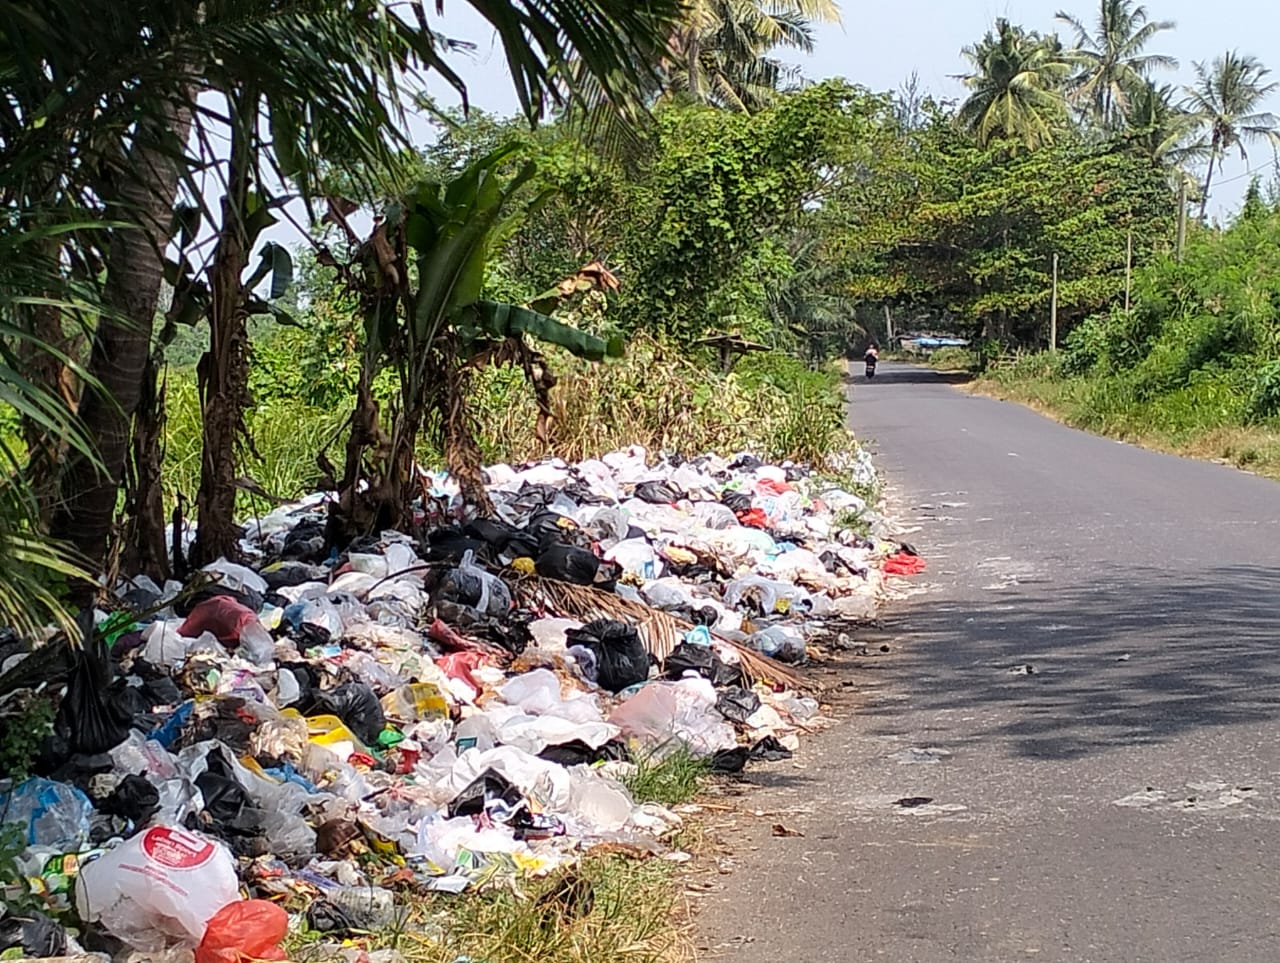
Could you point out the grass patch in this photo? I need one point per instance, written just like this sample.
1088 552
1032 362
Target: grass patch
953 359
672 780
633 916
1203 419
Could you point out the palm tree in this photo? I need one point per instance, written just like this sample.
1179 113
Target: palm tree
124 81
720 54
1016 87
1111 62
1162 129
1227 98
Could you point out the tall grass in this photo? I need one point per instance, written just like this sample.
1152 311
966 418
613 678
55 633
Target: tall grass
656 396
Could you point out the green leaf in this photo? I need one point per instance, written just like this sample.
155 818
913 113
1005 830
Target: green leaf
510 320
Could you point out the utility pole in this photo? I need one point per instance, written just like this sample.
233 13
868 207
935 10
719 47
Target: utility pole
1128 272
1182 218
1053 309
888 323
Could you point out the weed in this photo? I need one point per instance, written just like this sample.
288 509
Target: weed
25 720
673 779
619 910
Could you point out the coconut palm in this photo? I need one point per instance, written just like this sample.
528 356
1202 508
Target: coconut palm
1016 87
721 52
1162 129
98 97
1227 99
1110 58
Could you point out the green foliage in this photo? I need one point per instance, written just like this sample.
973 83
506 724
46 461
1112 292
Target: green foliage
971 232
1195 360
670 780
720 185
27 718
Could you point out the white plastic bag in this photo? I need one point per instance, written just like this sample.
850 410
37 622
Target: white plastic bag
160 887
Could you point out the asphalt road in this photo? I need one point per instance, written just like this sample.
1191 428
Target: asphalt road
1119 803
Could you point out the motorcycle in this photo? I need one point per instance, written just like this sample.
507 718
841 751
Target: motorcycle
871 366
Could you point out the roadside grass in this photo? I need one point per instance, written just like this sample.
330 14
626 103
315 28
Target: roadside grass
1204 419
606 907
634 914
674 779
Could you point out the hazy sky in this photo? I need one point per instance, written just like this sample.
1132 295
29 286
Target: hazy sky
883 41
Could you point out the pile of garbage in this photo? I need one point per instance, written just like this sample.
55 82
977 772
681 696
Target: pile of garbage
325 731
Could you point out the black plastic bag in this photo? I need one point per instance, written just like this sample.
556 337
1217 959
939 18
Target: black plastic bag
357 705
728 761
290 573
703 660
86 718
578 753
769 749
658 493
306 542
622 660
549 529
567 563
449 545
34 933
487 788
228 810
134 799
737 704
737 502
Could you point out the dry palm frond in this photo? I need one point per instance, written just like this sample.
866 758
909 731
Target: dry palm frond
659 631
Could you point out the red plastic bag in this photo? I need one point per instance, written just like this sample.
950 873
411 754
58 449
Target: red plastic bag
903 564
221 615
460 665
756 518
248 929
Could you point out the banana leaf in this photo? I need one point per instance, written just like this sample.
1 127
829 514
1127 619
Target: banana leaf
509 320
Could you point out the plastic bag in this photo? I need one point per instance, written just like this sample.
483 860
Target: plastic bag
637 557
237 577
161 886
471 585
903 564
53 814
737 704
355 704
622 660
221 615
37 936
702 660
780 642
657 493
568 563
249 929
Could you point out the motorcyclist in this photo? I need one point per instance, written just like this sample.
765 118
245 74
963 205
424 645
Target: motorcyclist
872 355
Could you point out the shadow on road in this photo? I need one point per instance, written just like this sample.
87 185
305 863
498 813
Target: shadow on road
1135 659
903 374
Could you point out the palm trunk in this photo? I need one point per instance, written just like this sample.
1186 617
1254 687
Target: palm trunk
145 548
1204 198
122 343
223 372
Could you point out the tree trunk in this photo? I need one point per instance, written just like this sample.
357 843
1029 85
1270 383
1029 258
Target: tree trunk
146 550
1204 199
121 345
45 455
223 371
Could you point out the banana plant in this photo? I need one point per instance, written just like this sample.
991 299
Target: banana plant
434 332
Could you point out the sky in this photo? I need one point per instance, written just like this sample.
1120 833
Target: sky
882 42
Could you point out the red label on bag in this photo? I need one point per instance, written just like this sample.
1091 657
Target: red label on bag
175 848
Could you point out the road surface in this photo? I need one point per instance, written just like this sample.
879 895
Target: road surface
1116 804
